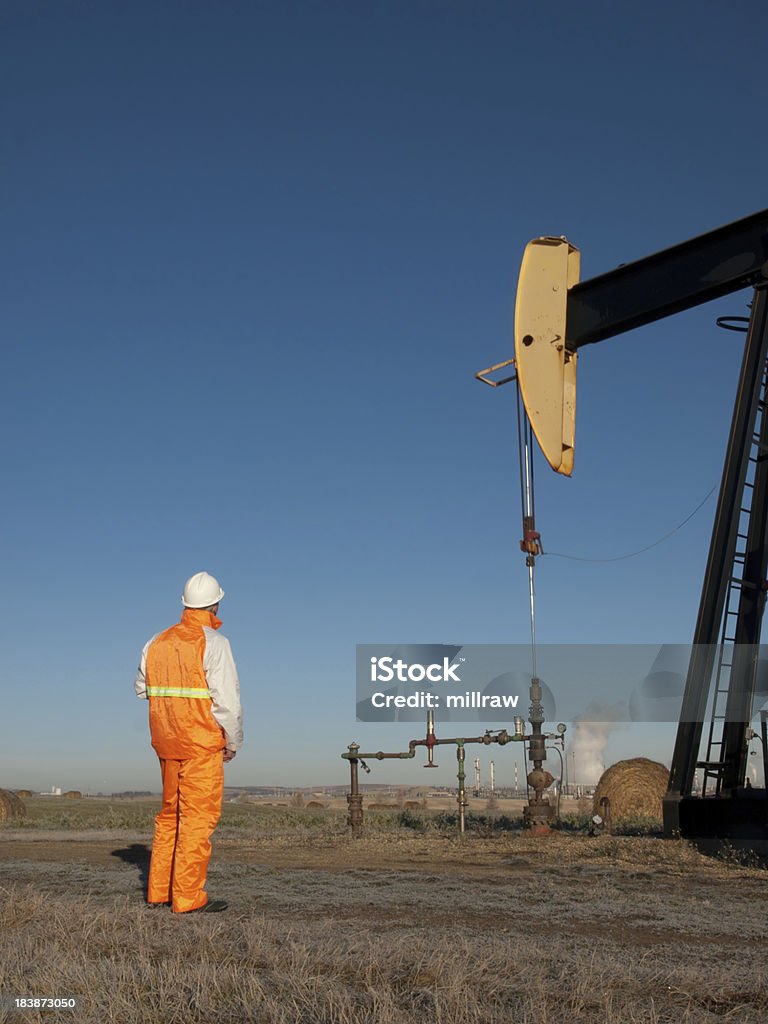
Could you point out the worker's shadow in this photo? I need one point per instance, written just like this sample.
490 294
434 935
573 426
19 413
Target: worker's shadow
138 854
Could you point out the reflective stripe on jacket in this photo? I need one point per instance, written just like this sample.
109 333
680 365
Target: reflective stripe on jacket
189 676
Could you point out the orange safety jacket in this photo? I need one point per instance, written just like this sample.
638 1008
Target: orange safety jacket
180 718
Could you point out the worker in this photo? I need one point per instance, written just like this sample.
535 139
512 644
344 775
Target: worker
188 675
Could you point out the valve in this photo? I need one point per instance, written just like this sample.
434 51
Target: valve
531 542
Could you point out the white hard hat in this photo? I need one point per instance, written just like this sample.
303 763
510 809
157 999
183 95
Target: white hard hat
201 591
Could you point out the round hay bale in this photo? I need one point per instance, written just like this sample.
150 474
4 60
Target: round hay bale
73 794
24 793
11 806
315 805
633 788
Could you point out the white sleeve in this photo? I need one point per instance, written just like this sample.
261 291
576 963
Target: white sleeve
140 683
221 676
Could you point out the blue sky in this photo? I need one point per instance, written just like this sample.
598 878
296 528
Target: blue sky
254 254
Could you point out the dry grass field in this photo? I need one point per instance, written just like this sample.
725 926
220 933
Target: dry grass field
403 925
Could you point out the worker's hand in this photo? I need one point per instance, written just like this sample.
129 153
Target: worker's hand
228 754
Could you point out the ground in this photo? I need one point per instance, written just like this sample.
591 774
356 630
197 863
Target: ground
397 926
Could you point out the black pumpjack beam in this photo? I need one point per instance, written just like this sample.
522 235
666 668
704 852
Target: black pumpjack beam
725 260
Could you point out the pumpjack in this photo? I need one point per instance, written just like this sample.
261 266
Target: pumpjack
557 315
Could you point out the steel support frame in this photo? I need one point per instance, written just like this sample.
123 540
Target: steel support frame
718 570
741 691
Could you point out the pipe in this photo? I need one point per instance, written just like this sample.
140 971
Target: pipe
502 738
354 797
355 758
462 797
560 786
430 740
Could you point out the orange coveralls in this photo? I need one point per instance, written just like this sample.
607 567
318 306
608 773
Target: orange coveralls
190 744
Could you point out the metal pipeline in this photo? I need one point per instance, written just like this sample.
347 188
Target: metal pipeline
502 737
539 811
355 758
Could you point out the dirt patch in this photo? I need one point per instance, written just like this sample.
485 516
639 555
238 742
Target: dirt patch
396 927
